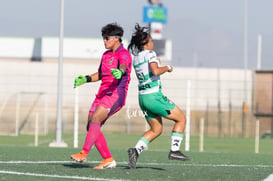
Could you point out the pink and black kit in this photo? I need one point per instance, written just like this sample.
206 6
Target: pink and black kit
112 92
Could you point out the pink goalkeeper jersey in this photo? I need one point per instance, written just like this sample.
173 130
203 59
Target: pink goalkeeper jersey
112 60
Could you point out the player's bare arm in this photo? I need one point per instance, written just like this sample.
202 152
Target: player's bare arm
95 77
156 70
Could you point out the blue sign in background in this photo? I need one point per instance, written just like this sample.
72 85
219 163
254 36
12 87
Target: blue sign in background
154 14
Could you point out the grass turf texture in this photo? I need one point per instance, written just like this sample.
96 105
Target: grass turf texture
223 159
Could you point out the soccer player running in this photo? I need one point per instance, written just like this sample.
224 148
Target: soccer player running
151 100
114 73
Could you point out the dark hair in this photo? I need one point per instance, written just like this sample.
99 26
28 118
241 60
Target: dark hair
112 29
139 38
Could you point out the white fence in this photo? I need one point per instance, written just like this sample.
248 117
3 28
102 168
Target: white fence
213 88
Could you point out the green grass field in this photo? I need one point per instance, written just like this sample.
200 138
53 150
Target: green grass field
225 159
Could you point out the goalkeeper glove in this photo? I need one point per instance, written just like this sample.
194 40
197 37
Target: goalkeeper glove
80 80
117 73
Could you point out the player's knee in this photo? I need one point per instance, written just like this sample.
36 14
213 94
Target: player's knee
157 130
181 122
94 119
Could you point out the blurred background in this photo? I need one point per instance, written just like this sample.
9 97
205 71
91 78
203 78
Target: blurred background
221 52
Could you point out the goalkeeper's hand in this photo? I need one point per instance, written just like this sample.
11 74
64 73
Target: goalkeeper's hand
81 79
117 73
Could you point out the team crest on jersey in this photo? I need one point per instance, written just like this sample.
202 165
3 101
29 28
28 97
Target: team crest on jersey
125 57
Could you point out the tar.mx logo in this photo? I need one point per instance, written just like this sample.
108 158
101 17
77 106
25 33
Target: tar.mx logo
135 112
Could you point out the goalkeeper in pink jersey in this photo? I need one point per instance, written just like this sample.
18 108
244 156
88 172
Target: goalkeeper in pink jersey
114 73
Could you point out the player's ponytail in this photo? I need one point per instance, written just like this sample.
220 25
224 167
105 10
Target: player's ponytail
139 38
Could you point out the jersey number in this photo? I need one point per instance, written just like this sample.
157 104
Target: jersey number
141 77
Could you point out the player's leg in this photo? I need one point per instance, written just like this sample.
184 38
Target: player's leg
113 103
154 131
177 133
179 118
148 104
108 161
101 143
166 108
94 130
102 147
95 118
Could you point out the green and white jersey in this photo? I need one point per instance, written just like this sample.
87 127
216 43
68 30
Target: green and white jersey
147 82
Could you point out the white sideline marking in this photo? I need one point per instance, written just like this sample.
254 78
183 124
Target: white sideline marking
269 178
210 165
140 163
39 162
55 176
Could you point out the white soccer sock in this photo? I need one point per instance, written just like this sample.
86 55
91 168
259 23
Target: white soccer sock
176 139
141 144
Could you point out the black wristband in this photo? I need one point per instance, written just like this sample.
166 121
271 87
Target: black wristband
88 78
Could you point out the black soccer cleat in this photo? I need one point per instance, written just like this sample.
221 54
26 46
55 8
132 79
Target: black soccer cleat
133 155
177 155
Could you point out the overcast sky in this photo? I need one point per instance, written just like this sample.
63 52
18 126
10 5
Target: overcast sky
205 33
